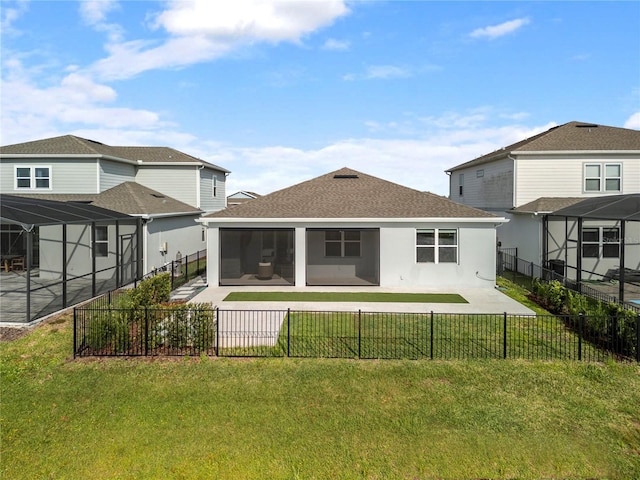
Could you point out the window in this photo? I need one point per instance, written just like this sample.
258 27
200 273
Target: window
215 186
101 244
603 177
480 173
437 245
33 178
342 243
460 184
601 242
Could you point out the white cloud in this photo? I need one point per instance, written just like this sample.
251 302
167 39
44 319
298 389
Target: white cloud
380 72
496 31
333 44
416 163
31 111
633 121
202 30
94 13
8 15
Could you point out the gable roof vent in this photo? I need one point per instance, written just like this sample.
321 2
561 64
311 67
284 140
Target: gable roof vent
345 176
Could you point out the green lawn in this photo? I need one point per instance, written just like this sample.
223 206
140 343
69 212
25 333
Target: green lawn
344 297
194 418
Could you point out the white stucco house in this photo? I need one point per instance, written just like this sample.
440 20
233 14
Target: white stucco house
529 180
350 228
167 189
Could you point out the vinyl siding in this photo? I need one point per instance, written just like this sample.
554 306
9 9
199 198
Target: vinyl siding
115 173
493 190
562 176
208 202
67 176
174 181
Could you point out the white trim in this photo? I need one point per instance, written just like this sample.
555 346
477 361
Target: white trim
576 152
32 178
359 221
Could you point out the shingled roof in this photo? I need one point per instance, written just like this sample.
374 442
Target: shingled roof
77 146
128 197
347 193
572 136
547 204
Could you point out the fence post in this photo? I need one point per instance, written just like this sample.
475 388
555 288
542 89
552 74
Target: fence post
172 275
580 325
217 331
359 333
638 338
504 336
75 330
146 331
431 340
288 333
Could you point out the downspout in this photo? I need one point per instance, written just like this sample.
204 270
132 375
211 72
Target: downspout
515 183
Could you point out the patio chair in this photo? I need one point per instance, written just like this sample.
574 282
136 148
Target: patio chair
17 264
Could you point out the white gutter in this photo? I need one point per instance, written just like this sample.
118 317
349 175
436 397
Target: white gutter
232 220
576 152
151 216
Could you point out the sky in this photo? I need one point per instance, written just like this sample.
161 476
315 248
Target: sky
281 91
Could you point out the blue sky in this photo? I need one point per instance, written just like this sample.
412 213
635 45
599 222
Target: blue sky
282 91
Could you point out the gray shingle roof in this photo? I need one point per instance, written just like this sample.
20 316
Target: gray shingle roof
347 193
572 136
72 145
128 197
547 204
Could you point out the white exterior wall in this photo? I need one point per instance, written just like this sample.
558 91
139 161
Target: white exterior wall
488 186
181 234
174 181
563 176
524 232
476 265
115 173
67 175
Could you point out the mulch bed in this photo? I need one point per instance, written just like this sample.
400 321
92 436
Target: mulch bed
8 334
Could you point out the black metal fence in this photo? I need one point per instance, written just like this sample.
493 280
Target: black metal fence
202 330
182 271
525 272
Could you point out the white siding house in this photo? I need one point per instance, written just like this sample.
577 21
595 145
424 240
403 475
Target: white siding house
541 174
168 189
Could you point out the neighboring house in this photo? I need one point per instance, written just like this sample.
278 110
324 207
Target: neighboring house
549 171
349 228
168 189
241 197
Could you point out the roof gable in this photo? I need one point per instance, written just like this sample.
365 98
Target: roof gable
572 136
136 199
347 193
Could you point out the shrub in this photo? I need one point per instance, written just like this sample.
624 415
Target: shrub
109 332
185 326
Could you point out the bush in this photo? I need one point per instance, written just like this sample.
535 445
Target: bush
109 332
185 326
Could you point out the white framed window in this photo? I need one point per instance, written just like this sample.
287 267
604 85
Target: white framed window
601 242
32 178
602 177
215 186
461 184
437 245
101 243
480 173
342 243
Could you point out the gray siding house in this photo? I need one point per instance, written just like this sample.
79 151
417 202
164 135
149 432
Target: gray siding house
168 189
557 168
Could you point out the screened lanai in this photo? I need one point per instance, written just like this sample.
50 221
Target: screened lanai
596 242
56 254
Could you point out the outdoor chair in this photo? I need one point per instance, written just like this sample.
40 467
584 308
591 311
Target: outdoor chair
17 264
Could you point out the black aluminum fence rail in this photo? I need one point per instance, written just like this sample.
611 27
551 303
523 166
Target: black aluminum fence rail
201 330
182 271
524 273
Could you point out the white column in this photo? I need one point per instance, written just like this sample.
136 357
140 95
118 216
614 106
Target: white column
213 256
301 256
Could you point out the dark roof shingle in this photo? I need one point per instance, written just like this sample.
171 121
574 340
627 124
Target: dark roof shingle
572 136
347 193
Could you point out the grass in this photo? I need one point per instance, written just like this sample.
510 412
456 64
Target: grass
197 418
344 297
